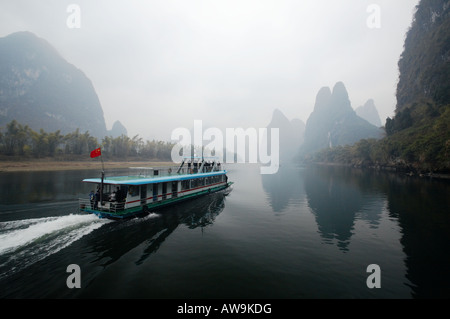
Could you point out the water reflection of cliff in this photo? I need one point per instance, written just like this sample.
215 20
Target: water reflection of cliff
340 196
334 202
284 187
422 209
336 197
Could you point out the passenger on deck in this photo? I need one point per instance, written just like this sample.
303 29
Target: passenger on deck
114 195
92 199
120 195
123 194
97 198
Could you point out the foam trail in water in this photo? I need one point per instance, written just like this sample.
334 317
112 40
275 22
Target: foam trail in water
25 242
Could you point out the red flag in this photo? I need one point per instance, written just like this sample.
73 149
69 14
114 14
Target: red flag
95 153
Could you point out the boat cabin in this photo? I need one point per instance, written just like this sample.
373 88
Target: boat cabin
147 188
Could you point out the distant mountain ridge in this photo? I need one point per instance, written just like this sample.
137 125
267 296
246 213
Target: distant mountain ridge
290 135
417 138
118 130
369 112
40 89
334 122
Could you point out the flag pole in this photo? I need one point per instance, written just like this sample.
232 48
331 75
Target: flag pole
103 165
103 176
96 153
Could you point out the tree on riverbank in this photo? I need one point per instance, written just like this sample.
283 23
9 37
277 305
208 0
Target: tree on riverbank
19 141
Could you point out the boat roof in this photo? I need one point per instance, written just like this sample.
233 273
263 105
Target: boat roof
140 180
201 157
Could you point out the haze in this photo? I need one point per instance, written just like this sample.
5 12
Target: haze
160 65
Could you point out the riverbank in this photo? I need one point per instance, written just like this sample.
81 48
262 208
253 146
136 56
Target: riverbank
402 170
48 165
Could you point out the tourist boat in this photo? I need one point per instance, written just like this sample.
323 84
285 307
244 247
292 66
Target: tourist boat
147 189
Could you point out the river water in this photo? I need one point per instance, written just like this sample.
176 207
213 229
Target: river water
305 232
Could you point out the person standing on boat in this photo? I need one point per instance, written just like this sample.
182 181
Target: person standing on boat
119 195
97 198
114 196
92 198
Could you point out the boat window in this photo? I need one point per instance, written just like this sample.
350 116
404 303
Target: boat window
133 190
106 190
155 192
164 190
185 184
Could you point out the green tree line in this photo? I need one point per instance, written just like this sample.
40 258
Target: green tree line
17 140
424 146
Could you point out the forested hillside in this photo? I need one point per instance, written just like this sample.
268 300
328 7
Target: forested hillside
39 88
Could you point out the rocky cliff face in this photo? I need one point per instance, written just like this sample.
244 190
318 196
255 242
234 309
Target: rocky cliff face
40 89
424 65
419 134
418 137
334 122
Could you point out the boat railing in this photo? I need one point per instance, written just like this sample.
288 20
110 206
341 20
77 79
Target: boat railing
85 204
145 172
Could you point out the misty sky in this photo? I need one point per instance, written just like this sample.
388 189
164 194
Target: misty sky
158 65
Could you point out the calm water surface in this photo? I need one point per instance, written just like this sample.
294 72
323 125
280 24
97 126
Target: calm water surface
302 233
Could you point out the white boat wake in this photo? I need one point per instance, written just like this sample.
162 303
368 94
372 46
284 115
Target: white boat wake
25 242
